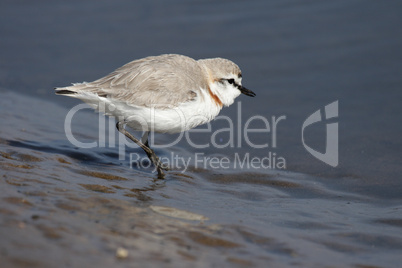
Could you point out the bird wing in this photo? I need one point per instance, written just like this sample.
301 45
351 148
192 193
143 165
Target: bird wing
163 82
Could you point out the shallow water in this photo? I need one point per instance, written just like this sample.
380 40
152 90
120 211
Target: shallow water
72 206
83 204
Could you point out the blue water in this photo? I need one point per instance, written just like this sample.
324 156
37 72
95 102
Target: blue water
297 56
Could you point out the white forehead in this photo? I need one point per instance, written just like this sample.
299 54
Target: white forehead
222 68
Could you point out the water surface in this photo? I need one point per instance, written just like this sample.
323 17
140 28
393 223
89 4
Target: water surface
63 204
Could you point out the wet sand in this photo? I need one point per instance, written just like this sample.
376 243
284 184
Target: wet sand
78 207
68 206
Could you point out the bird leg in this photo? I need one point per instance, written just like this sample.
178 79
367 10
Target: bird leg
144 138
152 156
145 146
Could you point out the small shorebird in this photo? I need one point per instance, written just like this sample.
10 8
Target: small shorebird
166 94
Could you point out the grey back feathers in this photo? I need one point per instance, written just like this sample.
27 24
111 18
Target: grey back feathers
158 81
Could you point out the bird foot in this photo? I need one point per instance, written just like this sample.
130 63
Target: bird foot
160 167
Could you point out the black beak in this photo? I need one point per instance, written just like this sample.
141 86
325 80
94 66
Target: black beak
246 91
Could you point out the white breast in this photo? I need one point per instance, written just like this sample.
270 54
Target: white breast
177 119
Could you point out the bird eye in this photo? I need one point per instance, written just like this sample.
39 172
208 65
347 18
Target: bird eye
239 75
231 81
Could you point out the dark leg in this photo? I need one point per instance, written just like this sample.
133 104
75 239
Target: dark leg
150 153
144 138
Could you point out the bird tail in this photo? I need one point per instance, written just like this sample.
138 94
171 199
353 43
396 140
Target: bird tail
63 91
72 90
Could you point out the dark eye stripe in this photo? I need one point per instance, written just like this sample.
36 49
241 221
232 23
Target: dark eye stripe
231 81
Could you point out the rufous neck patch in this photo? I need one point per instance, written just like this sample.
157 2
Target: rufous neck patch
215 98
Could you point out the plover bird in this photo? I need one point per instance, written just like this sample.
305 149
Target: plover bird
166 94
